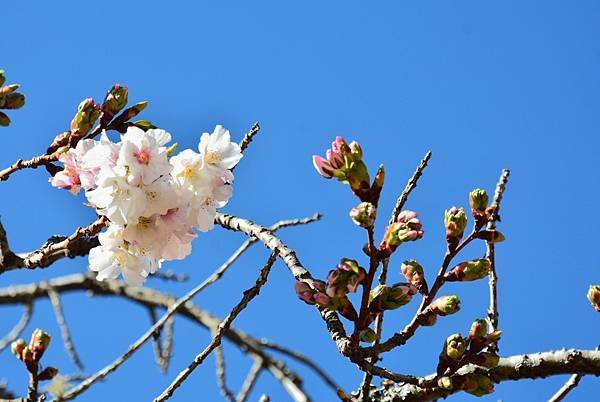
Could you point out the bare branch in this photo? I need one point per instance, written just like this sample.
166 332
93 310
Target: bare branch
249 294
221 374
64 329
493 314
250 381
170 276
412 183
19 327
334 325
249 136
32 163
571 383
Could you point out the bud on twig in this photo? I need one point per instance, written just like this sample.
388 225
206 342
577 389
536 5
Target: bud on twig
413 272
478 199
486 359
17 348
390 298
455 346
478 330
368 335
455 221
478 384
114 102
39 343
406 228
594 296
346 277
364 214
469 270
47 374
445 305
85 118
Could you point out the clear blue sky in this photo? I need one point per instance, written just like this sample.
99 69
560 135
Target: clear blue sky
484 85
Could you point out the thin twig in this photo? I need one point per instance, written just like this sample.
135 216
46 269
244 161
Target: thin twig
162 350
493 314
571 383
19 327
250 381
64 329
249 294
222 373
249 136
170 276
32 163
307 362
412 183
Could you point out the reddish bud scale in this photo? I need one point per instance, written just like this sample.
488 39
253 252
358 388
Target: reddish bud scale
414 273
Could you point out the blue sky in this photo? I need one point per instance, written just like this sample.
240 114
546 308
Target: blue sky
484 85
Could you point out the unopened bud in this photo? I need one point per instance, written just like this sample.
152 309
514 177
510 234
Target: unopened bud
469 270
479 329
144 124
390 298
478 199
368 335
486 359
406 228
115 100
364 214
455 346
594 296
446 305
356 151
304 292
39 342
8 89
455 221
478 385
413 272
17 347
85 118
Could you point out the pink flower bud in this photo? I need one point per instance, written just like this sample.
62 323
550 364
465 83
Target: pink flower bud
323 166
364 214
455 221
445 305
469 270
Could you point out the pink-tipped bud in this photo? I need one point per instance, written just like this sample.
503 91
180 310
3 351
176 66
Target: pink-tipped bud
85 118
304 292
479 329
115 100
322 166
39 343
406 228
390 298
364 214
469 270
413 272
593 296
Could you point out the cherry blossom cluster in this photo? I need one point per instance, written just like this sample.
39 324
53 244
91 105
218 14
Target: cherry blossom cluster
153 200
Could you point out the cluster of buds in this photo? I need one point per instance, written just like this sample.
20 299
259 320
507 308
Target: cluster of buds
445 305
469 270
364 214
30 354
390 297
407 227
414 274
333 293
9 99
455 221
344 162
594 296
475 384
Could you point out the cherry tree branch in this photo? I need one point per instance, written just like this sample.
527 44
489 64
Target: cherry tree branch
569 386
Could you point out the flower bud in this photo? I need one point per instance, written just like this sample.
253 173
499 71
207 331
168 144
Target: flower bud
406 228
455 221
364 214
346 277
478 385
2 77
322 166
39 343
368 335
304 292
17 348
85 118
115 101
594 296
8 89
413 272
478 199
479 329
445 383
445 305
455 346
356 151
469 270
390 298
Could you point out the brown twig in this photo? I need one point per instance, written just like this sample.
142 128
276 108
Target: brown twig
64 329
493 314
245 142
249 294
32 163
